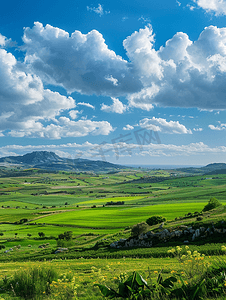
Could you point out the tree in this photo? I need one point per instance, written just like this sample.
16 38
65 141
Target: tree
41 234
138 229
155 220
213 203
1 233
67 235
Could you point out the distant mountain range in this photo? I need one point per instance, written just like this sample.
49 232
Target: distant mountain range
50 161
210 169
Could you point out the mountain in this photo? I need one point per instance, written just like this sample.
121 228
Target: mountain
50 161
210 169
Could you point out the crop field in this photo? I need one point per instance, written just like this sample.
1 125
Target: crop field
120 217
98 208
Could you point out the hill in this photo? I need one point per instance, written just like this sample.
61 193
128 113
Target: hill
50 161
210 169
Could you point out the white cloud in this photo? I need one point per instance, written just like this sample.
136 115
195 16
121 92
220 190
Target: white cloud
191 7
182 73
161 125
2 40
91 151
128 127
198 129
86 104
74 114
25 106
65 128
80 62
116 107
212 6
144 20
23 99
220 127
112 79
98 10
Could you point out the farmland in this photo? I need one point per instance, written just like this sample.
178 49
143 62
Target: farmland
99 209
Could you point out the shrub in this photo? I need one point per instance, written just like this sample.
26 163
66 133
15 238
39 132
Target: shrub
155 220
213 203
139 228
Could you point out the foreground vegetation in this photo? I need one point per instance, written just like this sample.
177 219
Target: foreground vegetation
83 213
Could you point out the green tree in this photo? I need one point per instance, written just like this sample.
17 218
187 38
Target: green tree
41 234
139 228
213 203
155 220
67 235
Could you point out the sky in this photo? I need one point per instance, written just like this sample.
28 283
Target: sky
129 82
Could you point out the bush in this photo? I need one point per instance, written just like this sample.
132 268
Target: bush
155 220
213 203
139 228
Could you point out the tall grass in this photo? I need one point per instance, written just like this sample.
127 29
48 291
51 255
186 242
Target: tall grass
30 283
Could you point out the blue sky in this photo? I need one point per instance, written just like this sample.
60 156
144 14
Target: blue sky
130 82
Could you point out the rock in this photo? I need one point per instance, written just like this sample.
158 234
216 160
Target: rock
186 242
59 250
122 240
197 233
202 229
178 233
161 225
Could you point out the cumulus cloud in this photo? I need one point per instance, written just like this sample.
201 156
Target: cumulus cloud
128 127
218 7
65 128
161 125
26 106
116 107
182 73
80 62
23 99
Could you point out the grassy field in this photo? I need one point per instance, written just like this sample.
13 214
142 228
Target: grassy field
54 203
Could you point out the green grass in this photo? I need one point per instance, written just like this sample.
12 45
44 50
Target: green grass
120 217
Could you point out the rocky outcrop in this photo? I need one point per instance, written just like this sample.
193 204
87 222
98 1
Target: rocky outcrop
184 233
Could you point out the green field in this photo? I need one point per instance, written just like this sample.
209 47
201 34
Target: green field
55 203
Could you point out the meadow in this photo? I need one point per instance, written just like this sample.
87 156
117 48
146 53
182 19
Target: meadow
98 209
